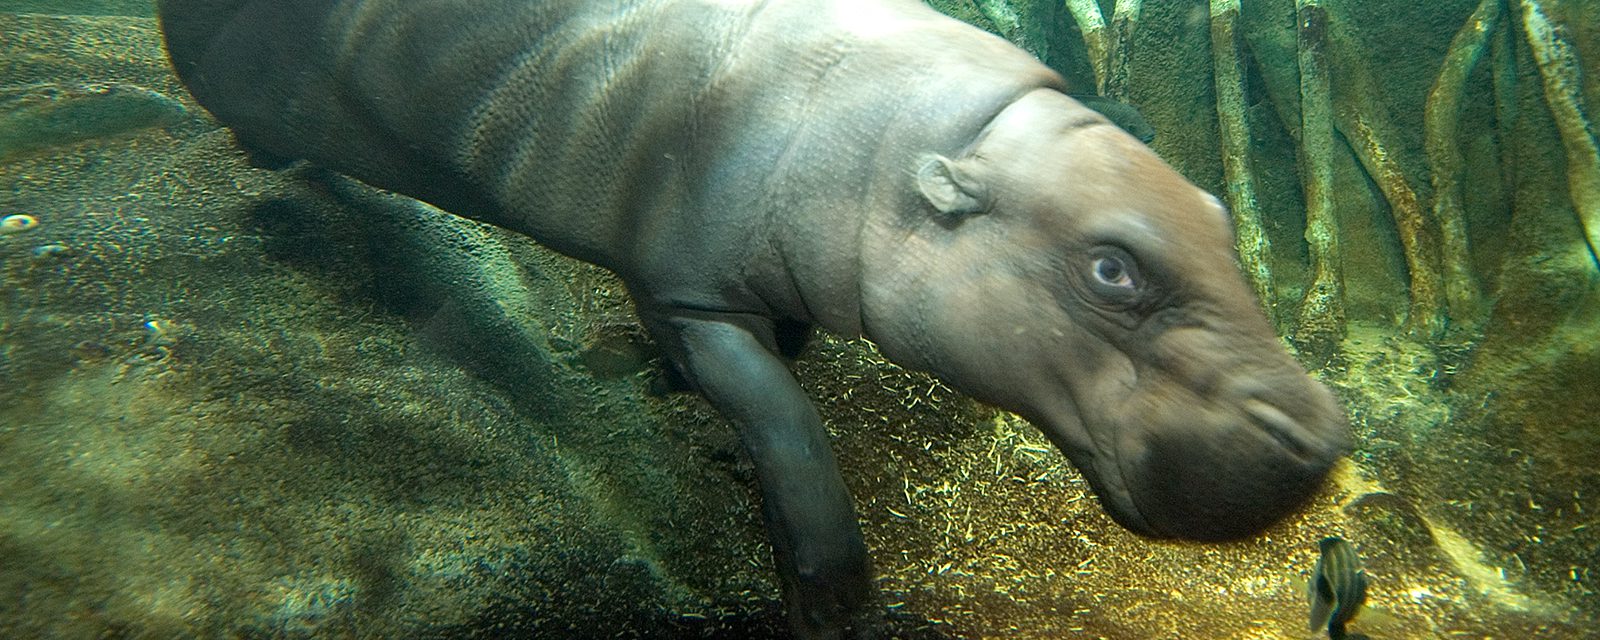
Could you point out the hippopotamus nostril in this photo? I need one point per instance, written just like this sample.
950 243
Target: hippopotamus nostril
1289 433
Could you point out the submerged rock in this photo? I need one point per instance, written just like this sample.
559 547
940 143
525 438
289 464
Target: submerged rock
40 116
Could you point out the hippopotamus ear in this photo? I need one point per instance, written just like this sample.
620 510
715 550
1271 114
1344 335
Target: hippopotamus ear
951 189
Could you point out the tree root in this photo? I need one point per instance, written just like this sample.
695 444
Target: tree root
1368 129
1563 92
1321 321
1095 38
1441 120
1366 133
1234 130
1108 48
1124 20
1015 27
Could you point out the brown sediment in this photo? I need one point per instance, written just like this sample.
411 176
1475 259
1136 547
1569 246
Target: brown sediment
1563 91
1321 322
1440 130
1249 236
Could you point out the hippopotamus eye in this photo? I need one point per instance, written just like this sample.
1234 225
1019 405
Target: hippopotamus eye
1111 270
1113 276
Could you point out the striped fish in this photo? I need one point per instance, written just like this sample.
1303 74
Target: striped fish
1338 587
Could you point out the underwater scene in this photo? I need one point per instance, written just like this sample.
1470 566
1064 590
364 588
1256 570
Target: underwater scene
256 382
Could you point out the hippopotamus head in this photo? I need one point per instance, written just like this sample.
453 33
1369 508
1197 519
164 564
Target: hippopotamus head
1059 269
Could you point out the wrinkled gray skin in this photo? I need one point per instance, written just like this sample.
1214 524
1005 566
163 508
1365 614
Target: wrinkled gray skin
869 166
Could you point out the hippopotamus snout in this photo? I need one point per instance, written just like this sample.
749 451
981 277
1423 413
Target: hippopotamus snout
1228 467
1197 424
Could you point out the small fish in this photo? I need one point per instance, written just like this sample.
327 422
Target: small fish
1338 588
1122 114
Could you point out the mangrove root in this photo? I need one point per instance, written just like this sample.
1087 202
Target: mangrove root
1563 91
1249 236
1095 39
1440 131
1321 322
1015 27
1108 48
1368 128
1124 20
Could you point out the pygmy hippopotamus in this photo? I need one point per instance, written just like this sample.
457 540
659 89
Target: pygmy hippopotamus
871 167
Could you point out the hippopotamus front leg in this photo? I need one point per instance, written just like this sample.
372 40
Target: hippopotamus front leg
732 359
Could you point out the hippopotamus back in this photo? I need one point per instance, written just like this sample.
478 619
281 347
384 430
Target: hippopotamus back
583 123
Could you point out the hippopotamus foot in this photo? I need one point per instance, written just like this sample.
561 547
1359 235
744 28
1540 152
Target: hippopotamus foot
817 545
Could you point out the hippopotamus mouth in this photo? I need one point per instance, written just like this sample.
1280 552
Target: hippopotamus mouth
1174 460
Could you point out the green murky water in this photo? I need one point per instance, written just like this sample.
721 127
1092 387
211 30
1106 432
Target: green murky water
237 402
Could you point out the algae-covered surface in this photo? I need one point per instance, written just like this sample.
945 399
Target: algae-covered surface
237 402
